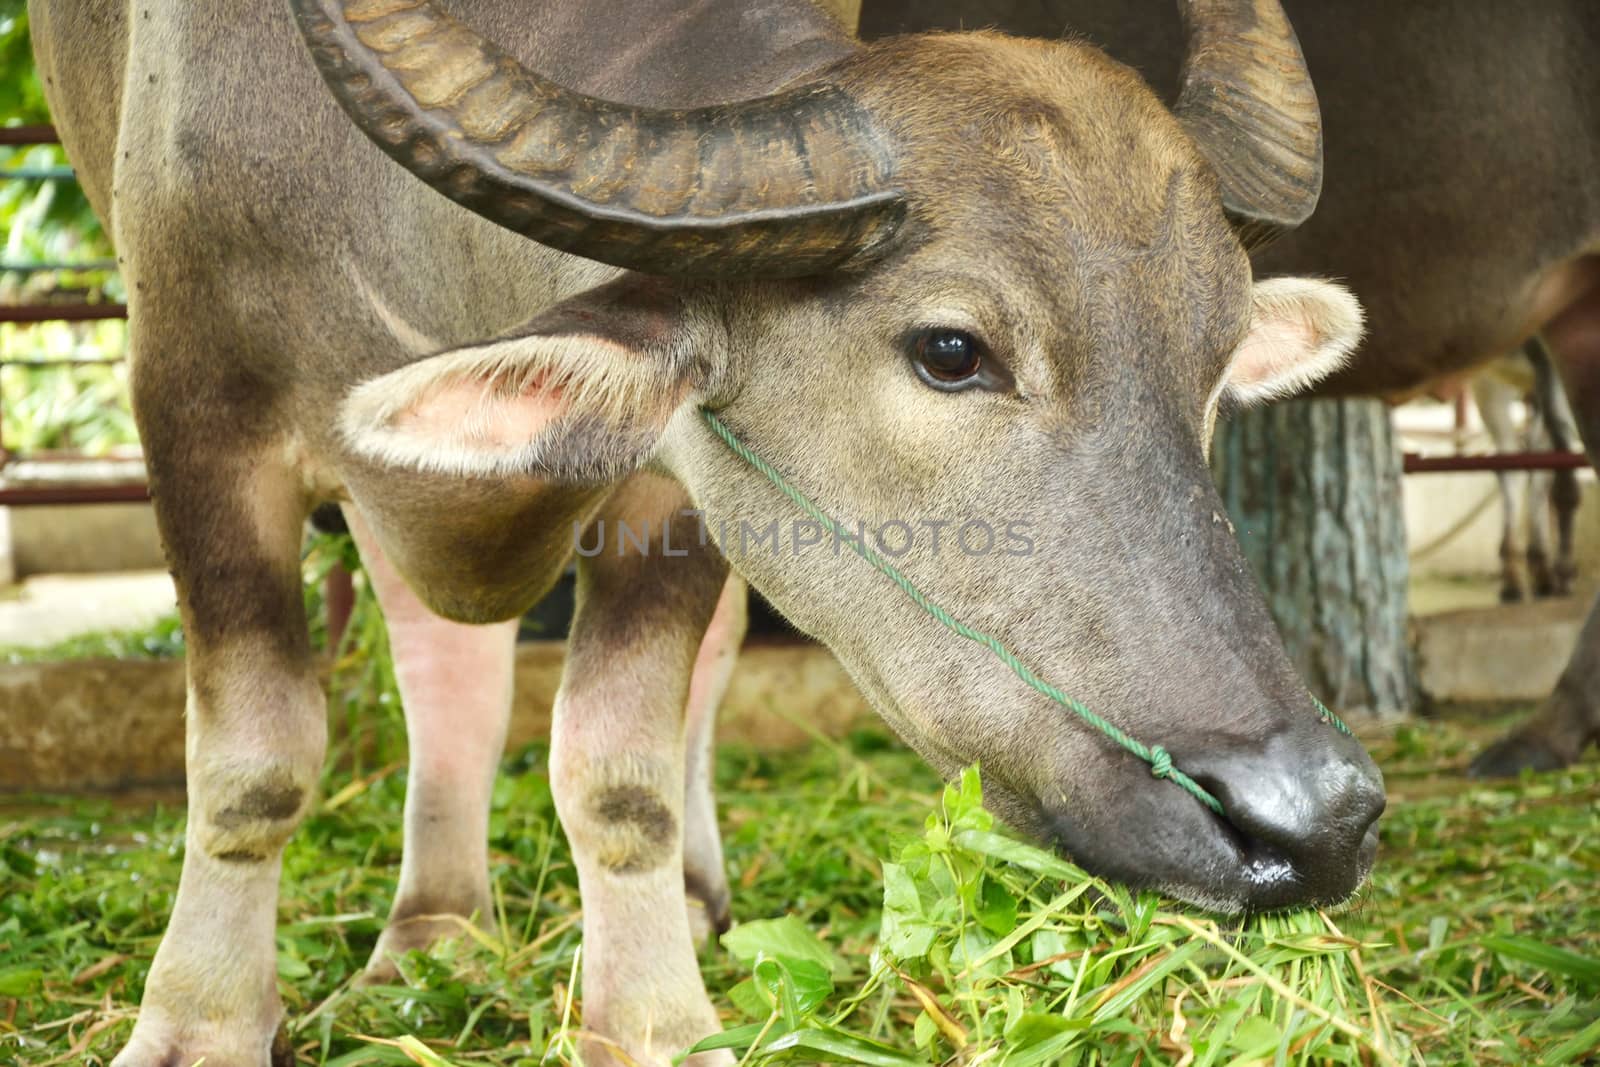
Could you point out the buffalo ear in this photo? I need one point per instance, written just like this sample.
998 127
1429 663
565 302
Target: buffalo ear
582 392
1301 331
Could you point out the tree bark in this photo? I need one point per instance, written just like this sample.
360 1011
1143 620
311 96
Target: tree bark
1313 489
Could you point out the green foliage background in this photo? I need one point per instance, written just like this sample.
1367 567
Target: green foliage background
64 214
21 96
82 408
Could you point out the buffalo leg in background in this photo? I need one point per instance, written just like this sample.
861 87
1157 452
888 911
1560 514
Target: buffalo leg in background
705 877
1561 432
455 685
1495 396
1569 720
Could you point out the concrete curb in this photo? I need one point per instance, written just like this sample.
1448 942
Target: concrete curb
112 724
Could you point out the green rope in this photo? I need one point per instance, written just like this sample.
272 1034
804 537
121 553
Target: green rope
1330 718
1159 759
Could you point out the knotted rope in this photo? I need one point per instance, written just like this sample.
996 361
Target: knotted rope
1159 759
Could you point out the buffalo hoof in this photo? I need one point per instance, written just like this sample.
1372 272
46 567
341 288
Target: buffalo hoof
710 915
1510 756
282 1050
140 1053
1566 573
419 932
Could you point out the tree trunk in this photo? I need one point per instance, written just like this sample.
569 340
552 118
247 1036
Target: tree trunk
1313 488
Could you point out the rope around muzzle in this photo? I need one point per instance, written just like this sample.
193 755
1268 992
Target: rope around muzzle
1159 759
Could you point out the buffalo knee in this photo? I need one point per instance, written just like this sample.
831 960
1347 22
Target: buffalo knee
626 813
253 763
248 815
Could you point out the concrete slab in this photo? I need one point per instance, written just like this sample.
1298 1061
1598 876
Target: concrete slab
79 538
84 539
90 725
1508 653
49 609
1431 594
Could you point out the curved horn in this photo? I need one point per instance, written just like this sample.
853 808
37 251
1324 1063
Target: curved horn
786 185
1247 101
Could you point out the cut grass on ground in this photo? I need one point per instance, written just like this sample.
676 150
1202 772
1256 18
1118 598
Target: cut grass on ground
1477 940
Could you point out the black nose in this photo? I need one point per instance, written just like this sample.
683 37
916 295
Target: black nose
1306 802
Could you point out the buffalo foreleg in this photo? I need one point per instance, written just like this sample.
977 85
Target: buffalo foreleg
618 765
1494 399
256 728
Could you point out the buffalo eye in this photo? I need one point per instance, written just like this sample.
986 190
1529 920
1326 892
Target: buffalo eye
947 359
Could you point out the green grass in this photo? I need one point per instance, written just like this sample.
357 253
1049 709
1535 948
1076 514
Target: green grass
1475 943
162 639
883 920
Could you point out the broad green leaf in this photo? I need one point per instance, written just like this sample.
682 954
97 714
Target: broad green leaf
748 999
996 908
734 1037
906 933
1000 847
1033 1027
843 1048
1255 1036
785 939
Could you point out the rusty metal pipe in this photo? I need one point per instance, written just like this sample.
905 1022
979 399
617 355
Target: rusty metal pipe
23 135
1414 463
62 312
47 496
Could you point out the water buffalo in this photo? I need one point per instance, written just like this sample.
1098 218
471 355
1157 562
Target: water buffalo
1462 205
958 277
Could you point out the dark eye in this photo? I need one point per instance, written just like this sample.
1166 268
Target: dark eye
947 359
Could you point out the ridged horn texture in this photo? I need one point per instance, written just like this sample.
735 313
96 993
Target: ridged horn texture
798 183
1248 102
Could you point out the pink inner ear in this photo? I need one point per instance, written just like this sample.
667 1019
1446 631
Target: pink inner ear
1271 351
482 411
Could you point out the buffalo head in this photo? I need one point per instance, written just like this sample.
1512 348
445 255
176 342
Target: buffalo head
982 298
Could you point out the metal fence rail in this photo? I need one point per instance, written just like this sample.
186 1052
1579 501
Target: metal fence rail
27 135
37 496
131 492
61 313
1416 463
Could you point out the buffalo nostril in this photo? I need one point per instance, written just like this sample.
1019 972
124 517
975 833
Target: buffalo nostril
1352 795
1370 800
1315 815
